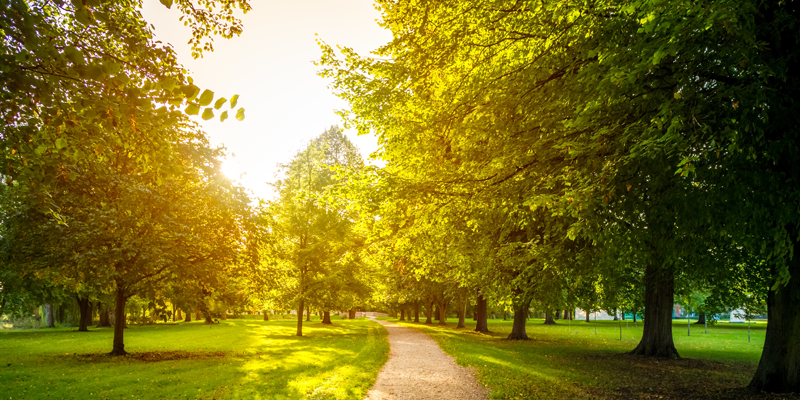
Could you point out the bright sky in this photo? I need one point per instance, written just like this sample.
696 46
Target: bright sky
270 67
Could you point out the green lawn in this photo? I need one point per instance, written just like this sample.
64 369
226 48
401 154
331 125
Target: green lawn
565 362
237 359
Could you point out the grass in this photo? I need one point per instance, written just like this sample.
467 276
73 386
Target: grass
564 362
237 359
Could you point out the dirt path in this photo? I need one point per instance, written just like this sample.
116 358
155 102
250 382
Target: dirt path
419 369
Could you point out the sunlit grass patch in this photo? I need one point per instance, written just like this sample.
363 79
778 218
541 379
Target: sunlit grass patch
569 360
241 358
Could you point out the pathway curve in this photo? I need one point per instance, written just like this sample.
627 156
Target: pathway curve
419 369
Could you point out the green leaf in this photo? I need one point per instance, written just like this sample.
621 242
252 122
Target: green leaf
234 101
223 116
61 143
192 109
190 91
219 103
240 114
206 97
208 113
168 83
84 16
74 55
167 3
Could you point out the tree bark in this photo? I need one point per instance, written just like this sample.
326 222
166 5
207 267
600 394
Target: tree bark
84 308
587 315
615 315
481 315
520 316
659 286
308 313
119 322
548 318
429 313
437 312
558 315
352 313
104 320
442 313
416 311
188 317
779 369
300 309
50 318
326 317
224 315
462 312
180 316
206 313
197 315
266 315
701 320
402 314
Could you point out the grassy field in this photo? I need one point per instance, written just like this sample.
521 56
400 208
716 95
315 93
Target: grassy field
237 359
569 361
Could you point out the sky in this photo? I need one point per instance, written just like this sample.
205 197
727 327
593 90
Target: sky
270 67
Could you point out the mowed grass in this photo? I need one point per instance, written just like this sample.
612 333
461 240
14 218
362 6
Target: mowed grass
237 359
567 361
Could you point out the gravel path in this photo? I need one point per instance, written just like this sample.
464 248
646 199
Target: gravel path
419 369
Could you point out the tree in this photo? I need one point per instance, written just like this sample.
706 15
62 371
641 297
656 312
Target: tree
317 248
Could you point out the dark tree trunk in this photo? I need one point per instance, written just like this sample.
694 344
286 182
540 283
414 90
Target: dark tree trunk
558 315
701 320
462 312
104 320
352 313
429 313
188 317
437 311
207 314
567 315
442 313
180 316
326 317
50 318
659 286
779 368
615 315
402 314
266 315
197 315
308 313
520 316
416 311
548 318
300 309
481 315
634 316
119 322
85 311
587 316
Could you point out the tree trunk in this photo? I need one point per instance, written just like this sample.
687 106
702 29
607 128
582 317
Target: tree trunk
197 315
548 318
224 315
462 312
326 317
587 315
352 313
266 315
429 313
188 317
83 307
402 314
416 312
308 313
300 309
779 369
206 313
481 315
437 312
442 313
180 316
50 318
634 316
119 322
659 286
615 315
520 316
701 320
558 315
104 320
